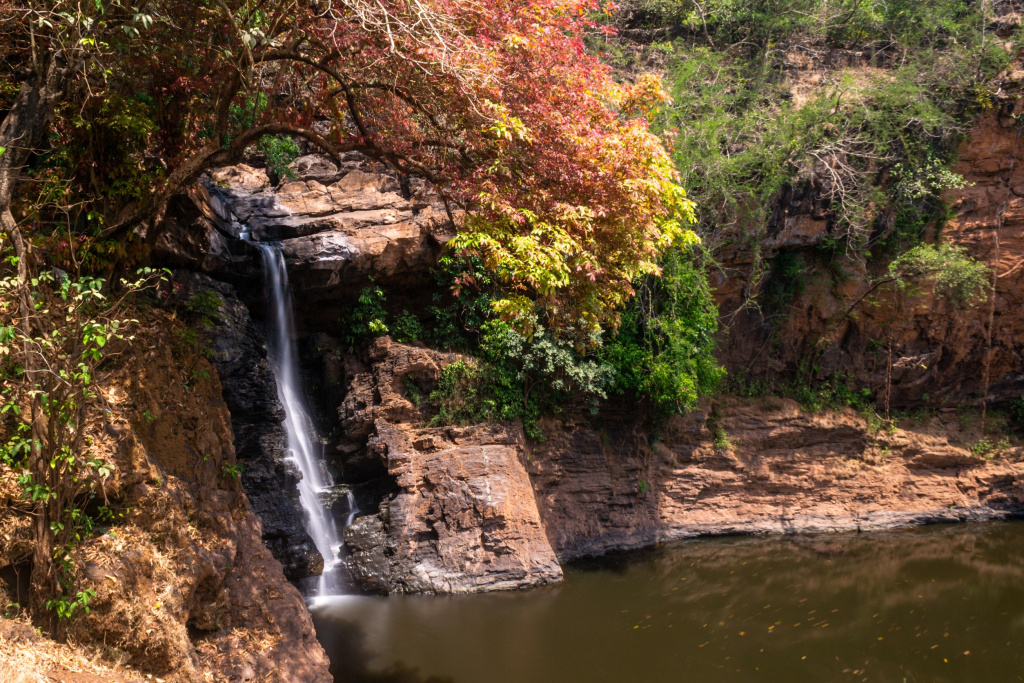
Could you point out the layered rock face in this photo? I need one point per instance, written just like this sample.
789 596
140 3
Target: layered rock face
479 508
463 518
770 468
338 228
941 354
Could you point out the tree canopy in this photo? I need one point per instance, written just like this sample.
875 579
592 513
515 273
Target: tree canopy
545 161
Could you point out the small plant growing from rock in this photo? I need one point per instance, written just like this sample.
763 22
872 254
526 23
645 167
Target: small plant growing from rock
231 470
987 449
721 441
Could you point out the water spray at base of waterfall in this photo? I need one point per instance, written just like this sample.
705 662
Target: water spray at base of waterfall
304 445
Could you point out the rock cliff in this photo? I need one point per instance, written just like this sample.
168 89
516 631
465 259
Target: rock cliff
184 588
463 518
481 508
603 483
942 355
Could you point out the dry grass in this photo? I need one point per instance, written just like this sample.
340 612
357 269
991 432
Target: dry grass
27 658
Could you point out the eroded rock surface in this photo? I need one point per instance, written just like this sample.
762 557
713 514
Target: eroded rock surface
609 482
337 227
782 470
463 518
939 350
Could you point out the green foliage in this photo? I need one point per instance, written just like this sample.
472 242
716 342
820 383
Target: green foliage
786 281
833 392
874 145
721 439
1016 413
516 378
74 325
365 318
232 470
455 323
462 396
279 151
65 608
206 306
986 449
956 276
663 348
407 328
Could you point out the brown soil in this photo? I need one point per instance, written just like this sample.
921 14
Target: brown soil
185 589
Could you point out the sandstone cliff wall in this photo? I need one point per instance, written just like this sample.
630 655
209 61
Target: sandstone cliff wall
480 508
941 353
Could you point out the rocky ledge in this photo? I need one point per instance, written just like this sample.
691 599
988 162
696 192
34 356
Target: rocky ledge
338 227
480 508
464 518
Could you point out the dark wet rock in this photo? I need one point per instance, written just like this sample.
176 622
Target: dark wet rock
197 234
239 353
368 561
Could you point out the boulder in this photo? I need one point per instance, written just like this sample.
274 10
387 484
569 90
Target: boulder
464 518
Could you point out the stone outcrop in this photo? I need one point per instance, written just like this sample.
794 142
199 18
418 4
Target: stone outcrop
337 227
184 590
776 469
939 350
239 353
197 234
463 518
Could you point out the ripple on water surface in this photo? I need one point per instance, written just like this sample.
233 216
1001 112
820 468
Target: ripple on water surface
932 604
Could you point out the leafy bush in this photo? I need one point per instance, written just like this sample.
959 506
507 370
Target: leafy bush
956 276
206 306
280 151
517 378
365 318
1016 413
662 351
407 328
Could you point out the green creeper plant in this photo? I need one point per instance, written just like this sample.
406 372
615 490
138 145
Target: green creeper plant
49 363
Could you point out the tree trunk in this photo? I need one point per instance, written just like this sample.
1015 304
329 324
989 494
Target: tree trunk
25 123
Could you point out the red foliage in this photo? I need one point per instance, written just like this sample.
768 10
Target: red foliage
548 164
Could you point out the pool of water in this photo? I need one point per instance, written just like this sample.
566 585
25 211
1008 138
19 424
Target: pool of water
942 603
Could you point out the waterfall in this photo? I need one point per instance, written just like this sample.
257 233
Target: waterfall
303 442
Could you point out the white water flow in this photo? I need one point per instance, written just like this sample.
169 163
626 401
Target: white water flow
303 441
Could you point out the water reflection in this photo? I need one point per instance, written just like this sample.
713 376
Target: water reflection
933 604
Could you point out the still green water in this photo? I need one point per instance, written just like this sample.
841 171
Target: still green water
942 603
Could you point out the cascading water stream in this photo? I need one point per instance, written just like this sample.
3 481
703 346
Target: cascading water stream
303 442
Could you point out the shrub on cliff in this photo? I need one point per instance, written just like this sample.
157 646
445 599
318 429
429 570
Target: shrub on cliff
853 108
48 362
